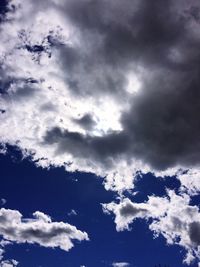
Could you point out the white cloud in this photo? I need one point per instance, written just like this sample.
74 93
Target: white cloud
120 264
3 262
72 213
1 253
3 149
190 181
40 230
172 216
9 263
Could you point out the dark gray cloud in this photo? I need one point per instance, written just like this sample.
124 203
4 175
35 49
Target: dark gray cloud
194 232
162 127
134 30
129 210
102 149
86 121
163 123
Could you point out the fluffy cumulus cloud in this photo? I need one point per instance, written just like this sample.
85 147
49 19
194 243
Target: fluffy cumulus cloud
102 86
39 230
163 214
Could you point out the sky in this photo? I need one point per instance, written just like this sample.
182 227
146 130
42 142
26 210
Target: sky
99 136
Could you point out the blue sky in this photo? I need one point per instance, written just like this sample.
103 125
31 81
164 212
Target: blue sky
99 136
55 192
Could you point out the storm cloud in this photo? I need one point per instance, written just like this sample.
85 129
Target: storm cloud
104 87
161 126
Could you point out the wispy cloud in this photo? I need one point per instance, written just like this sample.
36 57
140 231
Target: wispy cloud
120 264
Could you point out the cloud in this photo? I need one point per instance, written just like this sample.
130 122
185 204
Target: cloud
86 121
189 181
6 263
72 213
194 232
120 264
9 263
108 88
3 201
39 230
163 216
66 81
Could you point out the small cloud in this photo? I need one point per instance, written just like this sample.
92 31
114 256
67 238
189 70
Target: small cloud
3 201
120 264
40 230
87 122
9 263
72 213
3 149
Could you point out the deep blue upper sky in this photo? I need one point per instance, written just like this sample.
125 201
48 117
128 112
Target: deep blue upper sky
56 192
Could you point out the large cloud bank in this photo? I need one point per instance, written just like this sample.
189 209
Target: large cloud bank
102 86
